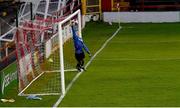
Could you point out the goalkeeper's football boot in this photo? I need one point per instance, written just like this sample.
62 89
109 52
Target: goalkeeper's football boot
78 68
83 68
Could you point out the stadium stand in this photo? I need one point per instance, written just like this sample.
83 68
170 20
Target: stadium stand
141 5
7 22
157 5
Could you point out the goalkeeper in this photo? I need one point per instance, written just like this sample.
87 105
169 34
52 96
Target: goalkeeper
79 48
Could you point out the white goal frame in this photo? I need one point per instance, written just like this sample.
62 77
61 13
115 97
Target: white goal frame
61 43
78 12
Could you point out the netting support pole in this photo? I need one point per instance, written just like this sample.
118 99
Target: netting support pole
45 17
59 4
80 26
61 58
31 10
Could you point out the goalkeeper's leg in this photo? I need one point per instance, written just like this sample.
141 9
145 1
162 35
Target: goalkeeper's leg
82 64
80 61
78 67
78 58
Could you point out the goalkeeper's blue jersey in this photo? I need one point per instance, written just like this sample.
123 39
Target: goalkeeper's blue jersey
78 43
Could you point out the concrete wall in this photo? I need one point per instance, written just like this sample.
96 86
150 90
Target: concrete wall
154 17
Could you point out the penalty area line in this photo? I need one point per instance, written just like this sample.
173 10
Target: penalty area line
89 62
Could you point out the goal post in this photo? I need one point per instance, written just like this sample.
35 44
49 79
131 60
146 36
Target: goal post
61 43
45 68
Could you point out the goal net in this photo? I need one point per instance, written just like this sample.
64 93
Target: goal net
46 65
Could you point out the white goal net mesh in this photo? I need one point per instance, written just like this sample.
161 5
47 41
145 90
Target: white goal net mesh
41 64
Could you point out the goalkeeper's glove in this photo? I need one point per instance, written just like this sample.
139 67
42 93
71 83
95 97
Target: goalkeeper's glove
71 22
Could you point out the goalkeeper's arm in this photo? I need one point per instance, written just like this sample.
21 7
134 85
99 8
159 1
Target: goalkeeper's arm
86 49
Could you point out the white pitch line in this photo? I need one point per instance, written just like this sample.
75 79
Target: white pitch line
21 93
77 76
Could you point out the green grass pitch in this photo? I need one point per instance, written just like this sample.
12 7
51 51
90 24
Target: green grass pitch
139 67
